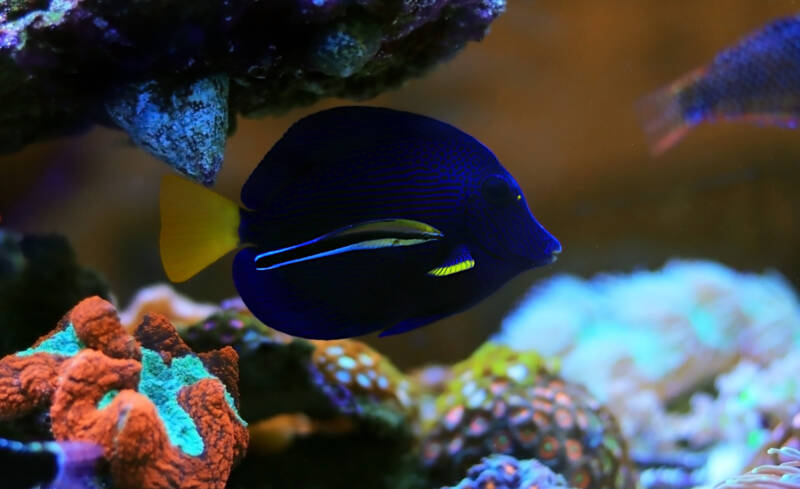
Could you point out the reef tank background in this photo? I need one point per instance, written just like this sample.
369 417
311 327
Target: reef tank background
551 89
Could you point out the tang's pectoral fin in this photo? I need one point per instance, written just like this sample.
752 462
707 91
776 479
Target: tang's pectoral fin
460 260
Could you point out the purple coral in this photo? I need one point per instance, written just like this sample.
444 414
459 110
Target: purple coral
506 472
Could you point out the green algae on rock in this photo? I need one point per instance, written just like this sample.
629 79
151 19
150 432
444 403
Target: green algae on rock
68 64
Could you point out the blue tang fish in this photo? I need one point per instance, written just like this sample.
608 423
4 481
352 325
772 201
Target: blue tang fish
360 219
48 465
757 80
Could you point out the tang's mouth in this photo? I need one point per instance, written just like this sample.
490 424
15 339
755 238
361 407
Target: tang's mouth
550 253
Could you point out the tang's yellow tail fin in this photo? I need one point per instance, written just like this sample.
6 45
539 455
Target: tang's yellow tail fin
198 227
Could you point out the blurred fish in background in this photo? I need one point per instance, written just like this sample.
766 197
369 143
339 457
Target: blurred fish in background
48 465
757 81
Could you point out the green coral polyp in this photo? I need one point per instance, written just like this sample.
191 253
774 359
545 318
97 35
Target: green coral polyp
107 399
64 343
162 383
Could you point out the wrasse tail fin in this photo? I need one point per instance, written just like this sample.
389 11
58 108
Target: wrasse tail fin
662 116
198 226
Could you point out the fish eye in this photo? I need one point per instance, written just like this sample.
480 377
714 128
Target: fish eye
499 192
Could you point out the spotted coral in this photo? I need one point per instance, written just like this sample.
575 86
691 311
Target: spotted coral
507 402
353 374
505 472
165 417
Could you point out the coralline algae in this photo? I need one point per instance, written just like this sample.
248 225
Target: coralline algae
173 74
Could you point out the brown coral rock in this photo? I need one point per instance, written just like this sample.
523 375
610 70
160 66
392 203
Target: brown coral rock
157 333
26 383
132 433
96 323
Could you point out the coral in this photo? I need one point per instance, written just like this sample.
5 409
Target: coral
785 434
305 412
731 424
667 330
268 362
507 402
663 334
230 327
353 374
698 361
40 280
173 74
504 472
162 299
783 476
165 417
323 378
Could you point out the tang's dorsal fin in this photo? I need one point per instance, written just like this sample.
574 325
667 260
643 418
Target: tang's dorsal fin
353 137
458 261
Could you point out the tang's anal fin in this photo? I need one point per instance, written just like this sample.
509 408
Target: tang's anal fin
459 261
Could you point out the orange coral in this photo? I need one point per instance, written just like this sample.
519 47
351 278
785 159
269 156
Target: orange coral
165 417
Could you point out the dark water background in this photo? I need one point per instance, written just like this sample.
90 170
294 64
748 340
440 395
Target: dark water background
551 91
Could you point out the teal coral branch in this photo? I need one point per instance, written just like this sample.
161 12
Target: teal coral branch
161 383
64 343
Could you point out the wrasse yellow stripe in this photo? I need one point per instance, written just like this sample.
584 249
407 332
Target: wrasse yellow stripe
446 270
